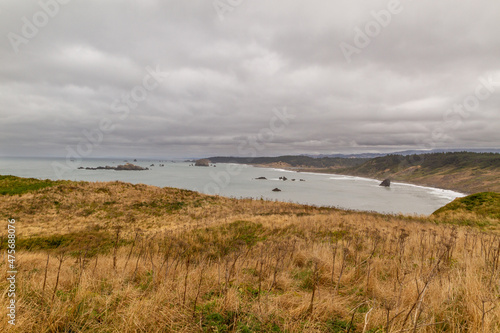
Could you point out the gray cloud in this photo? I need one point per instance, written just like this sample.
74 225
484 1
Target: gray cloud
224 78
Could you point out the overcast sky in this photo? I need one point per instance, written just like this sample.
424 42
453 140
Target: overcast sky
345 76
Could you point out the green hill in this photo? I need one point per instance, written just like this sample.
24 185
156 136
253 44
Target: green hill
430 163
11 185
294 161
485 204
463 171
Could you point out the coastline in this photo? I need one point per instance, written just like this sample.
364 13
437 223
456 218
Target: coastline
394 181
319 189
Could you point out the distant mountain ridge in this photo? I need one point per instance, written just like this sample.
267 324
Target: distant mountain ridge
404 152
293 161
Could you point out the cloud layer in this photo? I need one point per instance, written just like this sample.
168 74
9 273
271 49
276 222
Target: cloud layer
357 76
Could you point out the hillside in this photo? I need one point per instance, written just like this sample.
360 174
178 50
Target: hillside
14 185
485 204
118 257
293 161
463 171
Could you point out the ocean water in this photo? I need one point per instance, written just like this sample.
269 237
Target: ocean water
233 180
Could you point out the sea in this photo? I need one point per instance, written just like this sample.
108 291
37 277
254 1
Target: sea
239 181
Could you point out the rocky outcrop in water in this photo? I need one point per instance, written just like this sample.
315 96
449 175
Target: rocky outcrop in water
203 162
386 183
276 190
128 166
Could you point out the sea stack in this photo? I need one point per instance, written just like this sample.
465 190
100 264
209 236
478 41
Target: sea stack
386 183
203 162
128 166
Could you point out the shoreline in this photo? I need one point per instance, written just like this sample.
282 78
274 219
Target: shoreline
322 172
303 194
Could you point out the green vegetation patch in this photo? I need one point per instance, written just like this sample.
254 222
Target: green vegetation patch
229 321
11 185
339 326
305 278
485 204
91 242
244 231
222 240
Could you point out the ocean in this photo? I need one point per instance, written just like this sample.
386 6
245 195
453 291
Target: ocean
239 181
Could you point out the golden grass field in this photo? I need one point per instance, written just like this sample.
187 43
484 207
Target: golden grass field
117 257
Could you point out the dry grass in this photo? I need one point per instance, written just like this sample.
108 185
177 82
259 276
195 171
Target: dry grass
177 261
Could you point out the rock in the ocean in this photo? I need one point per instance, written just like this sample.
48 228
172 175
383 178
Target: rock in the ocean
386 183
203 162
128 166
263 178
276 190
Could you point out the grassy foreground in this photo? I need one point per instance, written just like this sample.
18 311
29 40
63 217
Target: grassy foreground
117 257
